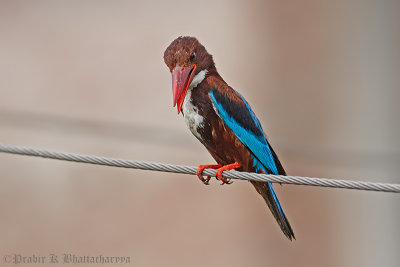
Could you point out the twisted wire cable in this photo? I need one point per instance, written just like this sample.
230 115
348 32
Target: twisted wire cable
162 167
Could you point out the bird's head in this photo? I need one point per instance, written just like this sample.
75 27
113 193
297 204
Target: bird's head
188 62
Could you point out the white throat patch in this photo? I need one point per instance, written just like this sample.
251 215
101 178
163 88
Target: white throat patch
190 112
197 79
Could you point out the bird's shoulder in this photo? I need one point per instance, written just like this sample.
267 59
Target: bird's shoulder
217 85
231 106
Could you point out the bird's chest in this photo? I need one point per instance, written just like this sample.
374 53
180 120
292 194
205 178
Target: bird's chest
193 119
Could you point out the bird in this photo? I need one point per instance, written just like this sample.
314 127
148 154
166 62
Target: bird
222 120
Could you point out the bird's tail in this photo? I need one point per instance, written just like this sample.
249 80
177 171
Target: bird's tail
267 192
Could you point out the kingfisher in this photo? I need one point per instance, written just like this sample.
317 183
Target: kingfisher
222 120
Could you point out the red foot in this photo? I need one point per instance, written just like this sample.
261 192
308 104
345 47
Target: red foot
201 168
218 174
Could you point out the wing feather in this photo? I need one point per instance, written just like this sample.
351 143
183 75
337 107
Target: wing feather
238 116
242 121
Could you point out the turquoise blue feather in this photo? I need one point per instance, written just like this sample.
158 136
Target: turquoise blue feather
257 144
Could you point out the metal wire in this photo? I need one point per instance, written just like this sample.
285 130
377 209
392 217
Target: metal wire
154 166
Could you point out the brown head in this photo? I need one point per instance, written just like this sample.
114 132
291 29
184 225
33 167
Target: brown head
185 58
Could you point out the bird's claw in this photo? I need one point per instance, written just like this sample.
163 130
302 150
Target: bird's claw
218 174
224 180
206 181
219 177
199 172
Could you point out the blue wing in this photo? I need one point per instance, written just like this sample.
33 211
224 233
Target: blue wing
242 121
238 116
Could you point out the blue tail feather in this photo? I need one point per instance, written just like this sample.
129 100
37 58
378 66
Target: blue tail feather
269 195
276 199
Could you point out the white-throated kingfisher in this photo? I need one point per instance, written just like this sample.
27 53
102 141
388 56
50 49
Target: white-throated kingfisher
222 120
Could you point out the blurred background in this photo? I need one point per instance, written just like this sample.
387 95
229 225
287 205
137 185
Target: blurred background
89 77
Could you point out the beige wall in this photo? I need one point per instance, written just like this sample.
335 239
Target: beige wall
88 77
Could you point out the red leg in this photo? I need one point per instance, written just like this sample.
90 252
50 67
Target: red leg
218 174
201 168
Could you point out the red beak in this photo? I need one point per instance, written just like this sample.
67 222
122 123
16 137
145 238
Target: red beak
181 79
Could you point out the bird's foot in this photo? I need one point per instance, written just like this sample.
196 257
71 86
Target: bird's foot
218 174
200 170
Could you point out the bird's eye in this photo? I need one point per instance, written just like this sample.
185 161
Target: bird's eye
193 55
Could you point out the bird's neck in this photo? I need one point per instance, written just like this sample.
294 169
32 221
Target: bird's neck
198 79
209 75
